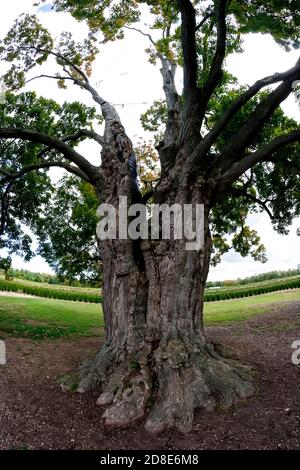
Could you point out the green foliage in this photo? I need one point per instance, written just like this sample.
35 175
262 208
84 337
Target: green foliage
16 46
276 17
68 243
29 43
44 115
5 263
230 230
35 277
268 276
81 54
147 165
107 16
155 118
280 18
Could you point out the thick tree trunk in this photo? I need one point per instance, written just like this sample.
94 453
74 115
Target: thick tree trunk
156 361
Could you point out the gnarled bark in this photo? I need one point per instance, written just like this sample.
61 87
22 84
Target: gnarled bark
156 361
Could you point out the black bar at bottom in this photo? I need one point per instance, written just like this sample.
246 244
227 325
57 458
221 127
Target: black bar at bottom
137 458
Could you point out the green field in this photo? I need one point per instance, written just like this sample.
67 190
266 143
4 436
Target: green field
88 295
226 311
44 318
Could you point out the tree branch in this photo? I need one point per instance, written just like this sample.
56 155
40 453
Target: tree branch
203 21
168 70
55 77
211 137
64 59
252 159
188 29
11 178
4 208
108 111
84 133
73 137
38 166
216 73
241 192
147 35
68 152
234 149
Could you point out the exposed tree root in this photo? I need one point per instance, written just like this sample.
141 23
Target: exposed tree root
165 386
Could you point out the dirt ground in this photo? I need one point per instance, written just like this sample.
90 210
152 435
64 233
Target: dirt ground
36 414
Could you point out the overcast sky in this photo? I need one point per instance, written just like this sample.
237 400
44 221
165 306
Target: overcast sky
123 76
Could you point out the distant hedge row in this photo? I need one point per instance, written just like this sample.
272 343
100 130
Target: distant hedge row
248 292
80 296
50 292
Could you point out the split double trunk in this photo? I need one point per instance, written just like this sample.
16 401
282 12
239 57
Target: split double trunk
156 361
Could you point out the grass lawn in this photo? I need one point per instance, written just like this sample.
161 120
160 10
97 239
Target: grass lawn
240 309
47 318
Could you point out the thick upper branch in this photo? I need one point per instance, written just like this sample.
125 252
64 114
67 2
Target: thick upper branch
80 79
74 137
234 150
264 154
68 152
168 70
188 29
216 73
168 73
211 137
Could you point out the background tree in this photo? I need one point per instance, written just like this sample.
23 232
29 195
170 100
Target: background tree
229 148
5 265
69 243
31 198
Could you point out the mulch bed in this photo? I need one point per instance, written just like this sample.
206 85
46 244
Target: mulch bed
36 414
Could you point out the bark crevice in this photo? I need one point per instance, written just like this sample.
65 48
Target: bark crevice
156 363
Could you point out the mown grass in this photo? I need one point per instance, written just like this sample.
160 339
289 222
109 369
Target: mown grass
226 311
44 318
47 318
